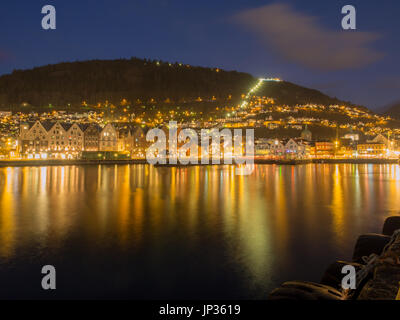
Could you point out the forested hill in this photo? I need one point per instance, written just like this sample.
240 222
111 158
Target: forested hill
393 110
139 81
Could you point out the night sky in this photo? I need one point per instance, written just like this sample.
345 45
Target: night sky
298 41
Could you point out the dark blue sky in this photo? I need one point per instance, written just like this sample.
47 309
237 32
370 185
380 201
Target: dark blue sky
299 41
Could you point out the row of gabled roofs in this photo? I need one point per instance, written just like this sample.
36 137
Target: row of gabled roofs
121 128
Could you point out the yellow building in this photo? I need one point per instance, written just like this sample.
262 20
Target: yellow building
375 150
324 149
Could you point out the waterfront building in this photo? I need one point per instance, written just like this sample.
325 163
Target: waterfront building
139 143
75 139
57 138
125 140
262 147
277 148
108 138
44 139
33 139
324 149
345 148
296 149
91 137
8 147
374 150
379 139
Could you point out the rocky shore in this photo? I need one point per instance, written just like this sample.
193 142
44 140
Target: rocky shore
376 259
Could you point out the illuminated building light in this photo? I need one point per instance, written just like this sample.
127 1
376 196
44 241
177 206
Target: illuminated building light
270 79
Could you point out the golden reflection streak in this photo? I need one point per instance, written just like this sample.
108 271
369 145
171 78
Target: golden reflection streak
281 210
138 215
337 201
123 202
42 202
254 230
193 197
7 218
393 199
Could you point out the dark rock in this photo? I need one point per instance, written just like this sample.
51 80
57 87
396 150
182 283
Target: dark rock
333 275
301 290
386 277
369 243
391 225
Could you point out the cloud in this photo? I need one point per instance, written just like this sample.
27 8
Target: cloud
386 83
301 39
4 56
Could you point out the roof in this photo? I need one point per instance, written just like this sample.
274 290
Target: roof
66 126
47 125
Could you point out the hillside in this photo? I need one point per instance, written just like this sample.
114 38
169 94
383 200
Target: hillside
393 111
292 94
139 81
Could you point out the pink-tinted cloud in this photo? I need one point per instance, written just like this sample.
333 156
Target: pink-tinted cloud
301 39
4 56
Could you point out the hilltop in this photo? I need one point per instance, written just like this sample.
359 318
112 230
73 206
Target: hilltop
139 81
393 110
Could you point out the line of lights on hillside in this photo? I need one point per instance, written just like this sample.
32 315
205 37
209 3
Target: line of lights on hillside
256 87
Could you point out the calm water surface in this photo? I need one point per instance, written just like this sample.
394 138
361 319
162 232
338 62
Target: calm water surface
135 231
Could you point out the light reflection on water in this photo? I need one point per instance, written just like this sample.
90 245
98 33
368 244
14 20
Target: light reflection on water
135 231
